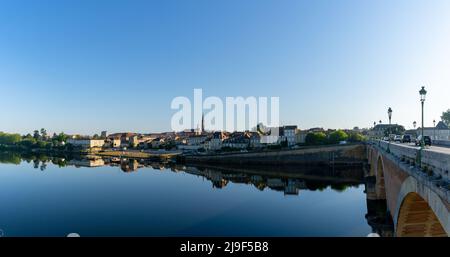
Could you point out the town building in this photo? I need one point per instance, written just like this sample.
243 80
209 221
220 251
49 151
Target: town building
289 133
255 140
126 138
270 139
196 139
237 140
379 130
158 142
440 132
215 142
113 142
86 143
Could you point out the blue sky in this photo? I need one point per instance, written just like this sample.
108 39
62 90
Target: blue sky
86 66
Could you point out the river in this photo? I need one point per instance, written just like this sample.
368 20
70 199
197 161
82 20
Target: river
49 196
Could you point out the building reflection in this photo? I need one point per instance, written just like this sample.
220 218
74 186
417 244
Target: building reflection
90 163
129 165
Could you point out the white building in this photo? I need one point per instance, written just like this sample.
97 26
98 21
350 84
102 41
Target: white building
440 132
270 140
86 142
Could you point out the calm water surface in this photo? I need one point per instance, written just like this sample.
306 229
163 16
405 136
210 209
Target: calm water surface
42 199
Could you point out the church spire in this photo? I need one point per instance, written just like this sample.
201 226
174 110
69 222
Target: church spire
203 122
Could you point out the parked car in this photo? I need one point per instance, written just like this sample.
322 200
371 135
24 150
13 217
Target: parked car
407 139
398 138
385 138
426 139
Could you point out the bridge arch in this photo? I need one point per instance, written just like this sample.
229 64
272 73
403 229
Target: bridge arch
420 212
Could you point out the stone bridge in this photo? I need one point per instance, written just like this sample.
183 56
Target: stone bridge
415 185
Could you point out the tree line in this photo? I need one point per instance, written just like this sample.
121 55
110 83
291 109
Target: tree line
39 139
335 137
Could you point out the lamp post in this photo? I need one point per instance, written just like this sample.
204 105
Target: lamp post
414 125
373 130
390 116
422 93
434 129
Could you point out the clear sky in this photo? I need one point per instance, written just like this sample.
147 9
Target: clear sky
86 66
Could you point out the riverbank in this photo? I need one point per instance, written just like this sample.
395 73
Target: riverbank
328 155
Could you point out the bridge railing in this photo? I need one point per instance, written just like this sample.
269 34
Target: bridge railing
433 162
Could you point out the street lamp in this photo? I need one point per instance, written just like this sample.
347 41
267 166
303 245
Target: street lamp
434 129
390 116
422 93
414 124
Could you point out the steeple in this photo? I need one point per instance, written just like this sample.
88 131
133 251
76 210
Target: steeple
203 123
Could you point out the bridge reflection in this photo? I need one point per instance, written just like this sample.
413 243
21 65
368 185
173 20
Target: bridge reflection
377 216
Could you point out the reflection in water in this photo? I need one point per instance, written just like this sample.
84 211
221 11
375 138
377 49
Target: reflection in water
377 215
290 181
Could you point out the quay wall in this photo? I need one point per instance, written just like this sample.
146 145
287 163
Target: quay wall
350 154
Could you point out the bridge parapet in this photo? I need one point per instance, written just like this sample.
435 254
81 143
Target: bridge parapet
432 162
438 162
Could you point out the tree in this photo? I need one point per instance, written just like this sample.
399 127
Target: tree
446 117
41 144
339 187
61 137
28 142
36 135
356 137
43 133
337 136
316 138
